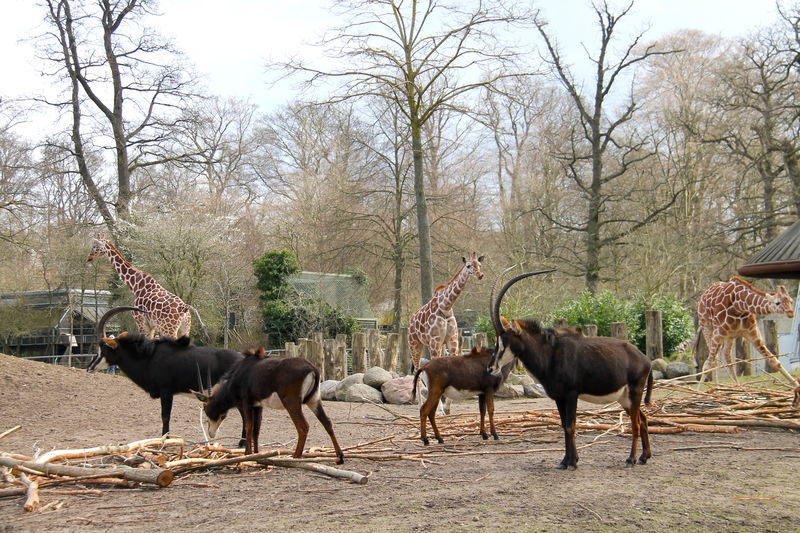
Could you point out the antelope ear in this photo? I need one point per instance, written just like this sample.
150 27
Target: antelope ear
509 326
480 259
199 395
122 334
110 342
463 259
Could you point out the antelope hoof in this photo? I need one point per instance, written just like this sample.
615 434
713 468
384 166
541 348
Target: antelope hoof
495 436
484 436
440 439
242 443
629 463
425 441
642 460
340 459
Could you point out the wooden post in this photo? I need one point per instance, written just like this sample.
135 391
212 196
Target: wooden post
619 330
590 330
392 345
403 353
329 358
479 340
741 352
654 340
560 323
770 341
374 352
302 348
358 352
318 353
291 349
340 357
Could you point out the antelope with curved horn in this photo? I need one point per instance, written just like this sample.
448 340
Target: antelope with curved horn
162 367
571 366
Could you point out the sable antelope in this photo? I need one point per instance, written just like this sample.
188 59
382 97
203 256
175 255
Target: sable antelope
571 366
276 382
456 378
162 367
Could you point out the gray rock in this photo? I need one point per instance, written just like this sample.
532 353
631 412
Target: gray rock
520 379
376 377
660 365
327 389
676 370
509 391
534 390
341 389
361 392
657 374
398 390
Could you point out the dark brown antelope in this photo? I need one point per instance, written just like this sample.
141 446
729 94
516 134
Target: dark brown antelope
456 378
163 367
571 366
275 382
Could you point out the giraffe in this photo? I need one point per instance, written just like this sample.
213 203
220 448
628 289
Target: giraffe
727 310
167 315
433 325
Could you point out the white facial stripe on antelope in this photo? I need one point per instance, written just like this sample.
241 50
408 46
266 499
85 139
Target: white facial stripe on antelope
213 425
620 396
503 356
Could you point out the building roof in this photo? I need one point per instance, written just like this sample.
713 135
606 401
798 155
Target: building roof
90 304
780 258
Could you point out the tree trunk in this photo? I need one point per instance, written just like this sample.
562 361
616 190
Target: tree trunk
423 224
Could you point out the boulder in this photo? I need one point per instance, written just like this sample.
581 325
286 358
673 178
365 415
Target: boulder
520 379
509 391
534 390
657 374
346 383
660 365
676 370
398 390
376 377
327 389
361 392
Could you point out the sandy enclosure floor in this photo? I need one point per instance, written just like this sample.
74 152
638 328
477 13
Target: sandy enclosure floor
695 482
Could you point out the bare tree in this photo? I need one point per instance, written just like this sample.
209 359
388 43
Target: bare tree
119 69
603 153
422 56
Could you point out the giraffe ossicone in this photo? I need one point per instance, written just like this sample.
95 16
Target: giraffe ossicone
727 310
167 315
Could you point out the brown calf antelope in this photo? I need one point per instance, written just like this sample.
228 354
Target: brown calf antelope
275 382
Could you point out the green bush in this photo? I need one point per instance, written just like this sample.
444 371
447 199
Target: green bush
676 321
600 309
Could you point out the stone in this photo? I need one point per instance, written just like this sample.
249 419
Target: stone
376 377
534 390
657 374
660 365
327 389
361 392
508 391
398 391
345 384
676 370
520 379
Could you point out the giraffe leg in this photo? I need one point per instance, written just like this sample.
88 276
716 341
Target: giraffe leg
727 350
415 347
709 372
771 361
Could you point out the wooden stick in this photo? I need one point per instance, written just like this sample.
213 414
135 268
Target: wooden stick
10 431
32 501
355 477
106 450
156 476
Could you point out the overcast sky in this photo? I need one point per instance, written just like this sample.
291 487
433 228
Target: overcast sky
228 45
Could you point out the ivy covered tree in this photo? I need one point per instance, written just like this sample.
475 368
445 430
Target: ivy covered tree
286 315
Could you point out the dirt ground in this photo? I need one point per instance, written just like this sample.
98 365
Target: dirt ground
741 482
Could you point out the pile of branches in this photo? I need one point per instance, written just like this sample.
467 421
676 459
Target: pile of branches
153 462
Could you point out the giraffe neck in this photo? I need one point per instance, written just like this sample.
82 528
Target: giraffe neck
750 301
134 278
447 296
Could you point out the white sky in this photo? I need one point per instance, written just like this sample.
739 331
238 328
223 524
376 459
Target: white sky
229 44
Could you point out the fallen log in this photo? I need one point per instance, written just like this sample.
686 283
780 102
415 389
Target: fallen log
155 476
106 450
32 491
355 477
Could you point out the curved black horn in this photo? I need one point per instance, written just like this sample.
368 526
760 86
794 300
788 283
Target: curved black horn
496 321
496 304
101 324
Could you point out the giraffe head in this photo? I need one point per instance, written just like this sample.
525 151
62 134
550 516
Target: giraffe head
782 302
473 265
100 247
